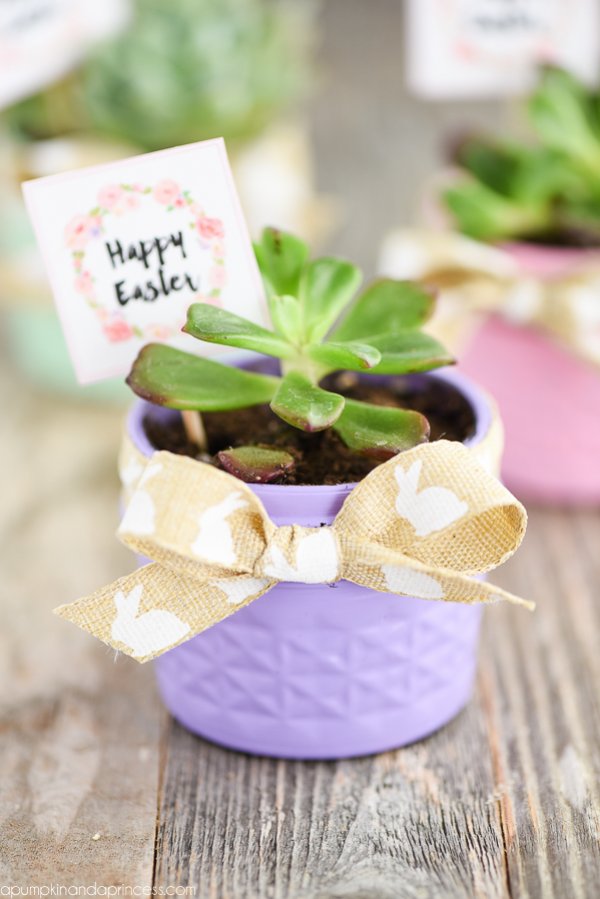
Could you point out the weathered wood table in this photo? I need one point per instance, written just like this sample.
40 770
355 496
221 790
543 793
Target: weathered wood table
98 785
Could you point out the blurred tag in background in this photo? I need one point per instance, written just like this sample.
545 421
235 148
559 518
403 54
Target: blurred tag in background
490 48
40 40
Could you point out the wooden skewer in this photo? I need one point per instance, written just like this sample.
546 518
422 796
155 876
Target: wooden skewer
194 429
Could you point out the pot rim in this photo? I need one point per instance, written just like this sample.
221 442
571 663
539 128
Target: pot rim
475 396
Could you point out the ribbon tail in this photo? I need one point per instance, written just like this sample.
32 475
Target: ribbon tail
154 609
407 577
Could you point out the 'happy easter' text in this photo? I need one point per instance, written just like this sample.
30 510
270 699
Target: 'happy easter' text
154 252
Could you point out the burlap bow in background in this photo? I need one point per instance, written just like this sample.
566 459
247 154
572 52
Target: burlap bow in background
422 524
475 278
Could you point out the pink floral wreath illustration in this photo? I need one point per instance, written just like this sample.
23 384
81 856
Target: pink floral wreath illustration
119 199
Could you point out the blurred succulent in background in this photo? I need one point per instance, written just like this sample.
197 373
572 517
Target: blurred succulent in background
318 328
547 191
185 70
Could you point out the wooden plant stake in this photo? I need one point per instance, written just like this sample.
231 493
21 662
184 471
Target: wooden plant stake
194 429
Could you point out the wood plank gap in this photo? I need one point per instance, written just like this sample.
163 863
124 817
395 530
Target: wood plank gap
498 772
162 763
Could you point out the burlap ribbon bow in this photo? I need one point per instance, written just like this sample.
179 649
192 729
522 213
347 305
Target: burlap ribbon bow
475 278
422 524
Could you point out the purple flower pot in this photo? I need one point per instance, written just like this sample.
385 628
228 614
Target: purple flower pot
318 671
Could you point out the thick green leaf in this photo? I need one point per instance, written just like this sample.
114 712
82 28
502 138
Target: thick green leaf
327 287
409 351
286 315
561 110
494 163
380 431
216 325
281 258
352 356
179 380
485 215
257 464
542 176
305 406
386 307
528 174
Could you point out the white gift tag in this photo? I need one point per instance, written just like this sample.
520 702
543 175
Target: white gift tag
129 245
481 48
40 40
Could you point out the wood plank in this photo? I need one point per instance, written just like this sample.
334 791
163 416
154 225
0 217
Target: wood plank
80 773
422 821
542 681
79 731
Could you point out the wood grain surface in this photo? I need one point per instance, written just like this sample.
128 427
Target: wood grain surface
98 785
501 803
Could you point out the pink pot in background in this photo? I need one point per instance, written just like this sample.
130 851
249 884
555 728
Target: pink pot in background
549 399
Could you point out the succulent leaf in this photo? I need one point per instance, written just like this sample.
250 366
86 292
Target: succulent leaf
286 315
495 164
386 307
562 113
281 259
409 351
257 464
305 406
216 325
194 70
179 380
327 287
352 356
522 191
380 334
485 215
380 431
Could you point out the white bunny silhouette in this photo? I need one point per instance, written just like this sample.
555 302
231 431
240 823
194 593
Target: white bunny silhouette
239 589
215 541
139 514
148 633
316 560
130 471
412 583
430 509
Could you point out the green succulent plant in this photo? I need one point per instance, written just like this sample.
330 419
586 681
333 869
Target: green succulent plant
319 326
549 190
185 70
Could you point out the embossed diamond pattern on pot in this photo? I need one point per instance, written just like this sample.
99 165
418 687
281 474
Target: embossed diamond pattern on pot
251 671
316 697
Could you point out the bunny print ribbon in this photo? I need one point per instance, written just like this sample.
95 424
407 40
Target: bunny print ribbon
474 278
421 524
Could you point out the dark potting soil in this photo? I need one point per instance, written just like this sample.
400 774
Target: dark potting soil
322 457
567 238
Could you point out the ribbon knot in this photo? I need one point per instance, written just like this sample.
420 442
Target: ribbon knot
314 555
421 524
